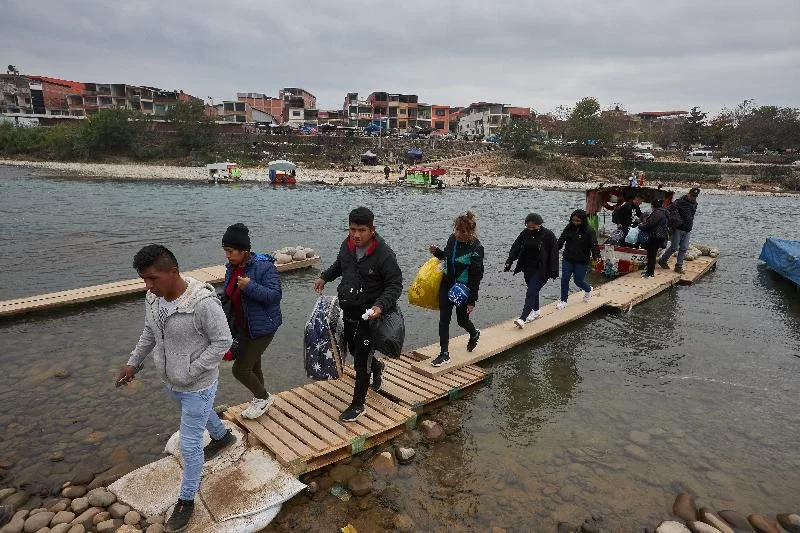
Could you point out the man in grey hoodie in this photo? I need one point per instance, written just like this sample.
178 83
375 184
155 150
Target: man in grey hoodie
186 329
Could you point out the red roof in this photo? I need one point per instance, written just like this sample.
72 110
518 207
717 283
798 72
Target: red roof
662 113
74 85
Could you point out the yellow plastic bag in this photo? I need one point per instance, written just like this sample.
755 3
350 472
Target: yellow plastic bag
424 290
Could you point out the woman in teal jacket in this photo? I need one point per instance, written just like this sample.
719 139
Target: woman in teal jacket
463 256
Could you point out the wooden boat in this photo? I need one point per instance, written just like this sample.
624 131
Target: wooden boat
426 177
282 172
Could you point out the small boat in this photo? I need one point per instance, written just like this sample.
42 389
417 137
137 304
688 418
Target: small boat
782 256
282 172
223 172
618 258
426 177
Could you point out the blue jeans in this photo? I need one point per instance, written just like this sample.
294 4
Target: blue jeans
680 242
570 269
197 414
535 284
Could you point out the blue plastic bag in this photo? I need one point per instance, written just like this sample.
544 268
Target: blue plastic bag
633 236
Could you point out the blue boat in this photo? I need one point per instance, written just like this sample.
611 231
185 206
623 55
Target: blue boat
782 256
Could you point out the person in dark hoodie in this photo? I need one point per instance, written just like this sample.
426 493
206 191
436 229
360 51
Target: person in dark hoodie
372 282
536 253
580 246
623 215
463 256
656 227
685 207
186 331
253 287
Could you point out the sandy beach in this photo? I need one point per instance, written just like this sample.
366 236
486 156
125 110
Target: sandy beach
362 176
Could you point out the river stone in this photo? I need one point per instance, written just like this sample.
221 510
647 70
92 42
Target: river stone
737 520
74 491
639 437
101 498
58 456
17 500
5 493
431 430
60 528
341 473
670 526
38 521
109 526
157 519
87 515
701 527
82 475
565 527
118 510
359 485
57 507
383 463
100 517
403 523
404 455
707 515
762 524
77 528
127 528
684 507
310 252
636 451
62 517
132 518
79 505
155 528
16 524
790 522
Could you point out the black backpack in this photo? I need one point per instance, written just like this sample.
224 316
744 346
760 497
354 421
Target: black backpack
674 219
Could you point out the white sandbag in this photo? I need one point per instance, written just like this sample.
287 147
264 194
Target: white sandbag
310 252
282 259
228 456
299 256
152 488
203 522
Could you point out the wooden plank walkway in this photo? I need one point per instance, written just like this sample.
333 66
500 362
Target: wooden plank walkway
417 392
303 431
53 300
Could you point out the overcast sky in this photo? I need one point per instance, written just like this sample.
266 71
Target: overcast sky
643 54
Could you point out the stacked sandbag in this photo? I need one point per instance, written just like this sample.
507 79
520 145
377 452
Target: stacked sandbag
705 249
288 254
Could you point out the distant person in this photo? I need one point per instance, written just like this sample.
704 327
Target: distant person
656 227
463 256
186 330
536 252
466 179
685 208
623 215
386 171
371 280
253 287
580 245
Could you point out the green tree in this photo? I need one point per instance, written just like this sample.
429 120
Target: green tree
585 122
519 136
194 129
111 132
693 127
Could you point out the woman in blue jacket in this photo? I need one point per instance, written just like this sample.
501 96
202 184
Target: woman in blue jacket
253 287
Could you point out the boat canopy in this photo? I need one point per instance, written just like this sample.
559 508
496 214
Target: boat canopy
282 165
220 166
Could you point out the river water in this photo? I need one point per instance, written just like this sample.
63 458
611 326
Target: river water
703 378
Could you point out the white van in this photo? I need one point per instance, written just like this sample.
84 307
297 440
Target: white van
699 155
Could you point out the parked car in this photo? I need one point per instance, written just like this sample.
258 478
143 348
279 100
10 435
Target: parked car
646 156
699 155
726 159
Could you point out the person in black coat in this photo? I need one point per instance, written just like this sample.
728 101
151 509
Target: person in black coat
580 245
463 256
685 208
536 252
656 227
623 215
372 282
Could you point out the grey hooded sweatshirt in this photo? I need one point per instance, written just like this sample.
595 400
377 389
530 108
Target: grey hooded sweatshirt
196 336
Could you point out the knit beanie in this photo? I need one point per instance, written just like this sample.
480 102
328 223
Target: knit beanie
536 218
237 237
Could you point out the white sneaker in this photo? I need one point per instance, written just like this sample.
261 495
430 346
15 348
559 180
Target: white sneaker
257 407
519 323
588 295
561 305
533 316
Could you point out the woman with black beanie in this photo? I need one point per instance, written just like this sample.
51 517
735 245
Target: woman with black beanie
253 289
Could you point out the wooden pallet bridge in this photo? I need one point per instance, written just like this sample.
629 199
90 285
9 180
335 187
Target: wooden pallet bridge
30 304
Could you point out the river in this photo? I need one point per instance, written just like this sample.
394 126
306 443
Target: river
694 390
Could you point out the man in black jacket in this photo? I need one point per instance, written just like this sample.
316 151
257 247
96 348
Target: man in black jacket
685 207
371 282
623 215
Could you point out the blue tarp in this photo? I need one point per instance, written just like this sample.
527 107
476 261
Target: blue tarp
415 153
782 256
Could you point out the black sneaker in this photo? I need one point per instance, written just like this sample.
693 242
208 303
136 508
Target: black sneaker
215 446
473 340
352 413
663 264
442 359
179 520
377 375
679 269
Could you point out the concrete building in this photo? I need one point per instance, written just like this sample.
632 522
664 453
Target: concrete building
147 100
400 108
49 95
262 102
359 112
440 118
481 120
424 116
242 112
15 94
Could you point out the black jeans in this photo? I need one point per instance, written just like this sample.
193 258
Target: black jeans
652 247
446 314
358 336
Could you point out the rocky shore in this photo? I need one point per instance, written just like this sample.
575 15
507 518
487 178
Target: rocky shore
361 176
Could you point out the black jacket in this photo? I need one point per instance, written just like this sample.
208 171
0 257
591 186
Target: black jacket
468 267
375 279
579 242
535 251
656 224
623 215
686 208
